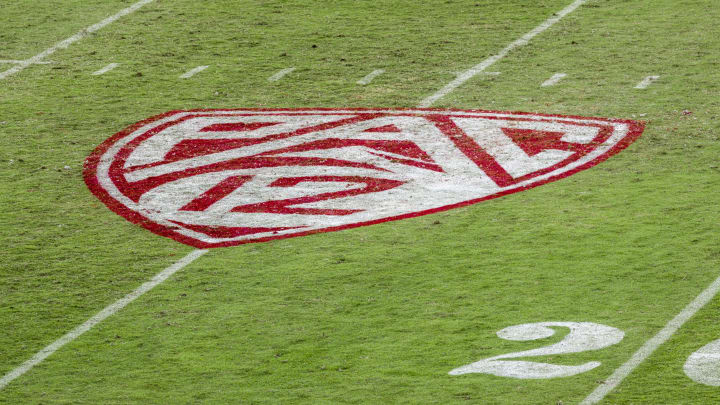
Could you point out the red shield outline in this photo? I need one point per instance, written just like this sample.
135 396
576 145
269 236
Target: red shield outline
90 172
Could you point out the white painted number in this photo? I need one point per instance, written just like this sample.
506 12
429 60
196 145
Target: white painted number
703 366
583 336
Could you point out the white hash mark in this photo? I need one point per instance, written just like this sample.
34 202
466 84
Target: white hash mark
480 67
106 69
279 75
553 80
367 79
192 72
15 61
646 82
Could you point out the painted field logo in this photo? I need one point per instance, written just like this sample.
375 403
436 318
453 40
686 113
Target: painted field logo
212 178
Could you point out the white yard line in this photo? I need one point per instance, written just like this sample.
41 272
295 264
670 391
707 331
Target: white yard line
649 347
69 41
553 80
106 69
646 82
367 79
99 317
480 67
192 72
279 75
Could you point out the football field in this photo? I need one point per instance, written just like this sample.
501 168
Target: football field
544 227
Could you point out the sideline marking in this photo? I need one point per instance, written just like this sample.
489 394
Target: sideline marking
106 69
480 67
69 41
553 80
367 79
99 317
646 82
22 61
192 72
279 75
649 347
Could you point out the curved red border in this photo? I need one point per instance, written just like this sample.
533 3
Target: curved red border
90 173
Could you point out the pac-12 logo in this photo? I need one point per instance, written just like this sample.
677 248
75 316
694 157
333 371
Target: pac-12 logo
211 178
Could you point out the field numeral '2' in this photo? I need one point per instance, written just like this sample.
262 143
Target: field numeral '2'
703 366
583 336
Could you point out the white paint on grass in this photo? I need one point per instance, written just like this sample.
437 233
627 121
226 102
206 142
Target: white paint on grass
279 75
367 79
480 67
69 41
106 69
446 177
15 61
553 80
703 366
646 82
649 347
192 72
99 317
583 336
490 136
483 73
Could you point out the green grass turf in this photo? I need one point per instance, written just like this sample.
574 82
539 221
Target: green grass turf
29 27
375 314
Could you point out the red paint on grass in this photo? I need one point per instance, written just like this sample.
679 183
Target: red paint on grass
226 183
